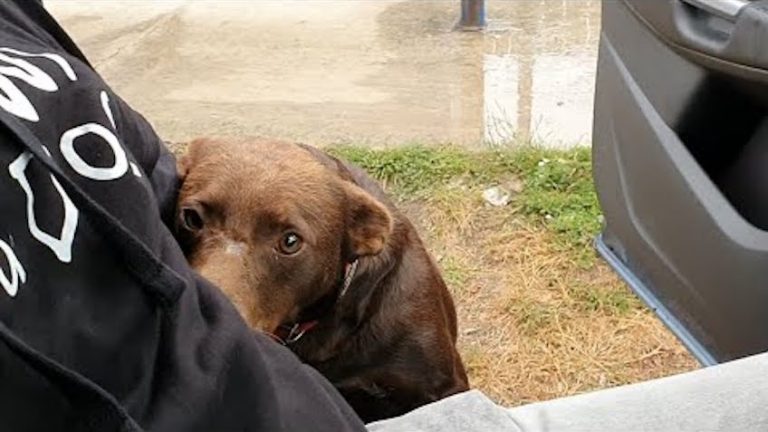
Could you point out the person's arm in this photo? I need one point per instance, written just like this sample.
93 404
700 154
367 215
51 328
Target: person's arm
152 155
103 325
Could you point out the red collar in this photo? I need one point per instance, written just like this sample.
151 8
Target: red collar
288 334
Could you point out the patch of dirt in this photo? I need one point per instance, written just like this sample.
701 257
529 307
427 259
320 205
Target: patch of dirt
534 324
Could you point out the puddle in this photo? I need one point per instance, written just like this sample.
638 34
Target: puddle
546 99
529 78
380 73
539 72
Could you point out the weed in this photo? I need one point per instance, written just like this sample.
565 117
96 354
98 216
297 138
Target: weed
454 272
408 169
538 316
616 301
559 192
557 184
531 315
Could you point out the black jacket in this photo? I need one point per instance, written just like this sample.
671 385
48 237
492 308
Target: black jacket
103 326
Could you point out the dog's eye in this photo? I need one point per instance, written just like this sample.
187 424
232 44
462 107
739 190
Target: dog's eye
290 243
191 219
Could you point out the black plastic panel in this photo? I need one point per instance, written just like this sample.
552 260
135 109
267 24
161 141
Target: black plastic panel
678 147
689 28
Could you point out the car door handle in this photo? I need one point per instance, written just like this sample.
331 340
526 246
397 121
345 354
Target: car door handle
703 30
727 9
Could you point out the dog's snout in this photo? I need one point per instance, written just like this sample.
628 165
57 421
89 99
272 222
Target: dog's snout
236 270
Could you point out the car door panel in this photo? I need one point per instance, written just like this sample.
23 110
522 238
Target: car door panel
680 134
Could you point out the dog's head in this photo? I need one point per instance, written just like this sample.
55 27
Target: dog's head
273 226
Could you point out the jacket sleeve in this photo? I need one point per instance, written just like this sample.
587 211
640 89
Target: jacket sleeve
108 313
165 182
154 158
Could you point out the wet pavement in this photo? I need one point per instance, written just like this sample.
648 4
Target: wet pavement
376 72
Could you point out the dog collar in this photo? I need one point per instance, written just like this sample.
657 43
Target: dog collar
288 334
349 274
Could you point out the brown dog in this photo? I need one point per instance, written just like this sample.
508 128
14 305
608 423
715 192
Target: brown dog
310 250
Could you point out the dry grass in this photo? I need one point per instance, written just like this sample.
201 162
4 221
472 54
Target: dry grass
539 316
534 325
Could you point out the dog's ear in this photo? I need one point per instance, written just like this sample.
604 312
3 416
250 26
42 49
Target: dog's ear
328 161
186 161
369 223
194 153
182 166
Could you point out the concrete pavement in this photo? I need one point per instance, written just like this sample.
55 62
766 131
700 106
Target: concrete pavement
375 72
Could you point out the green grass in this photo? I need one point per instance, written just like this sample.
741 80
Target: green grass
613 302
455 274
559 192
531 316
557 184
409 169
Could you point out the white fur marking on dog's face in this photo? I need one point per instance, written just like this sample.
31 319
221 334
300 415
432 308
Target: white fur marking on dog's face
235 248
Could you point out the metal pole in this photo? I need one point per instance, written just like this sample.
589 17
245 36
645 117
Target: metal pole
472 15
